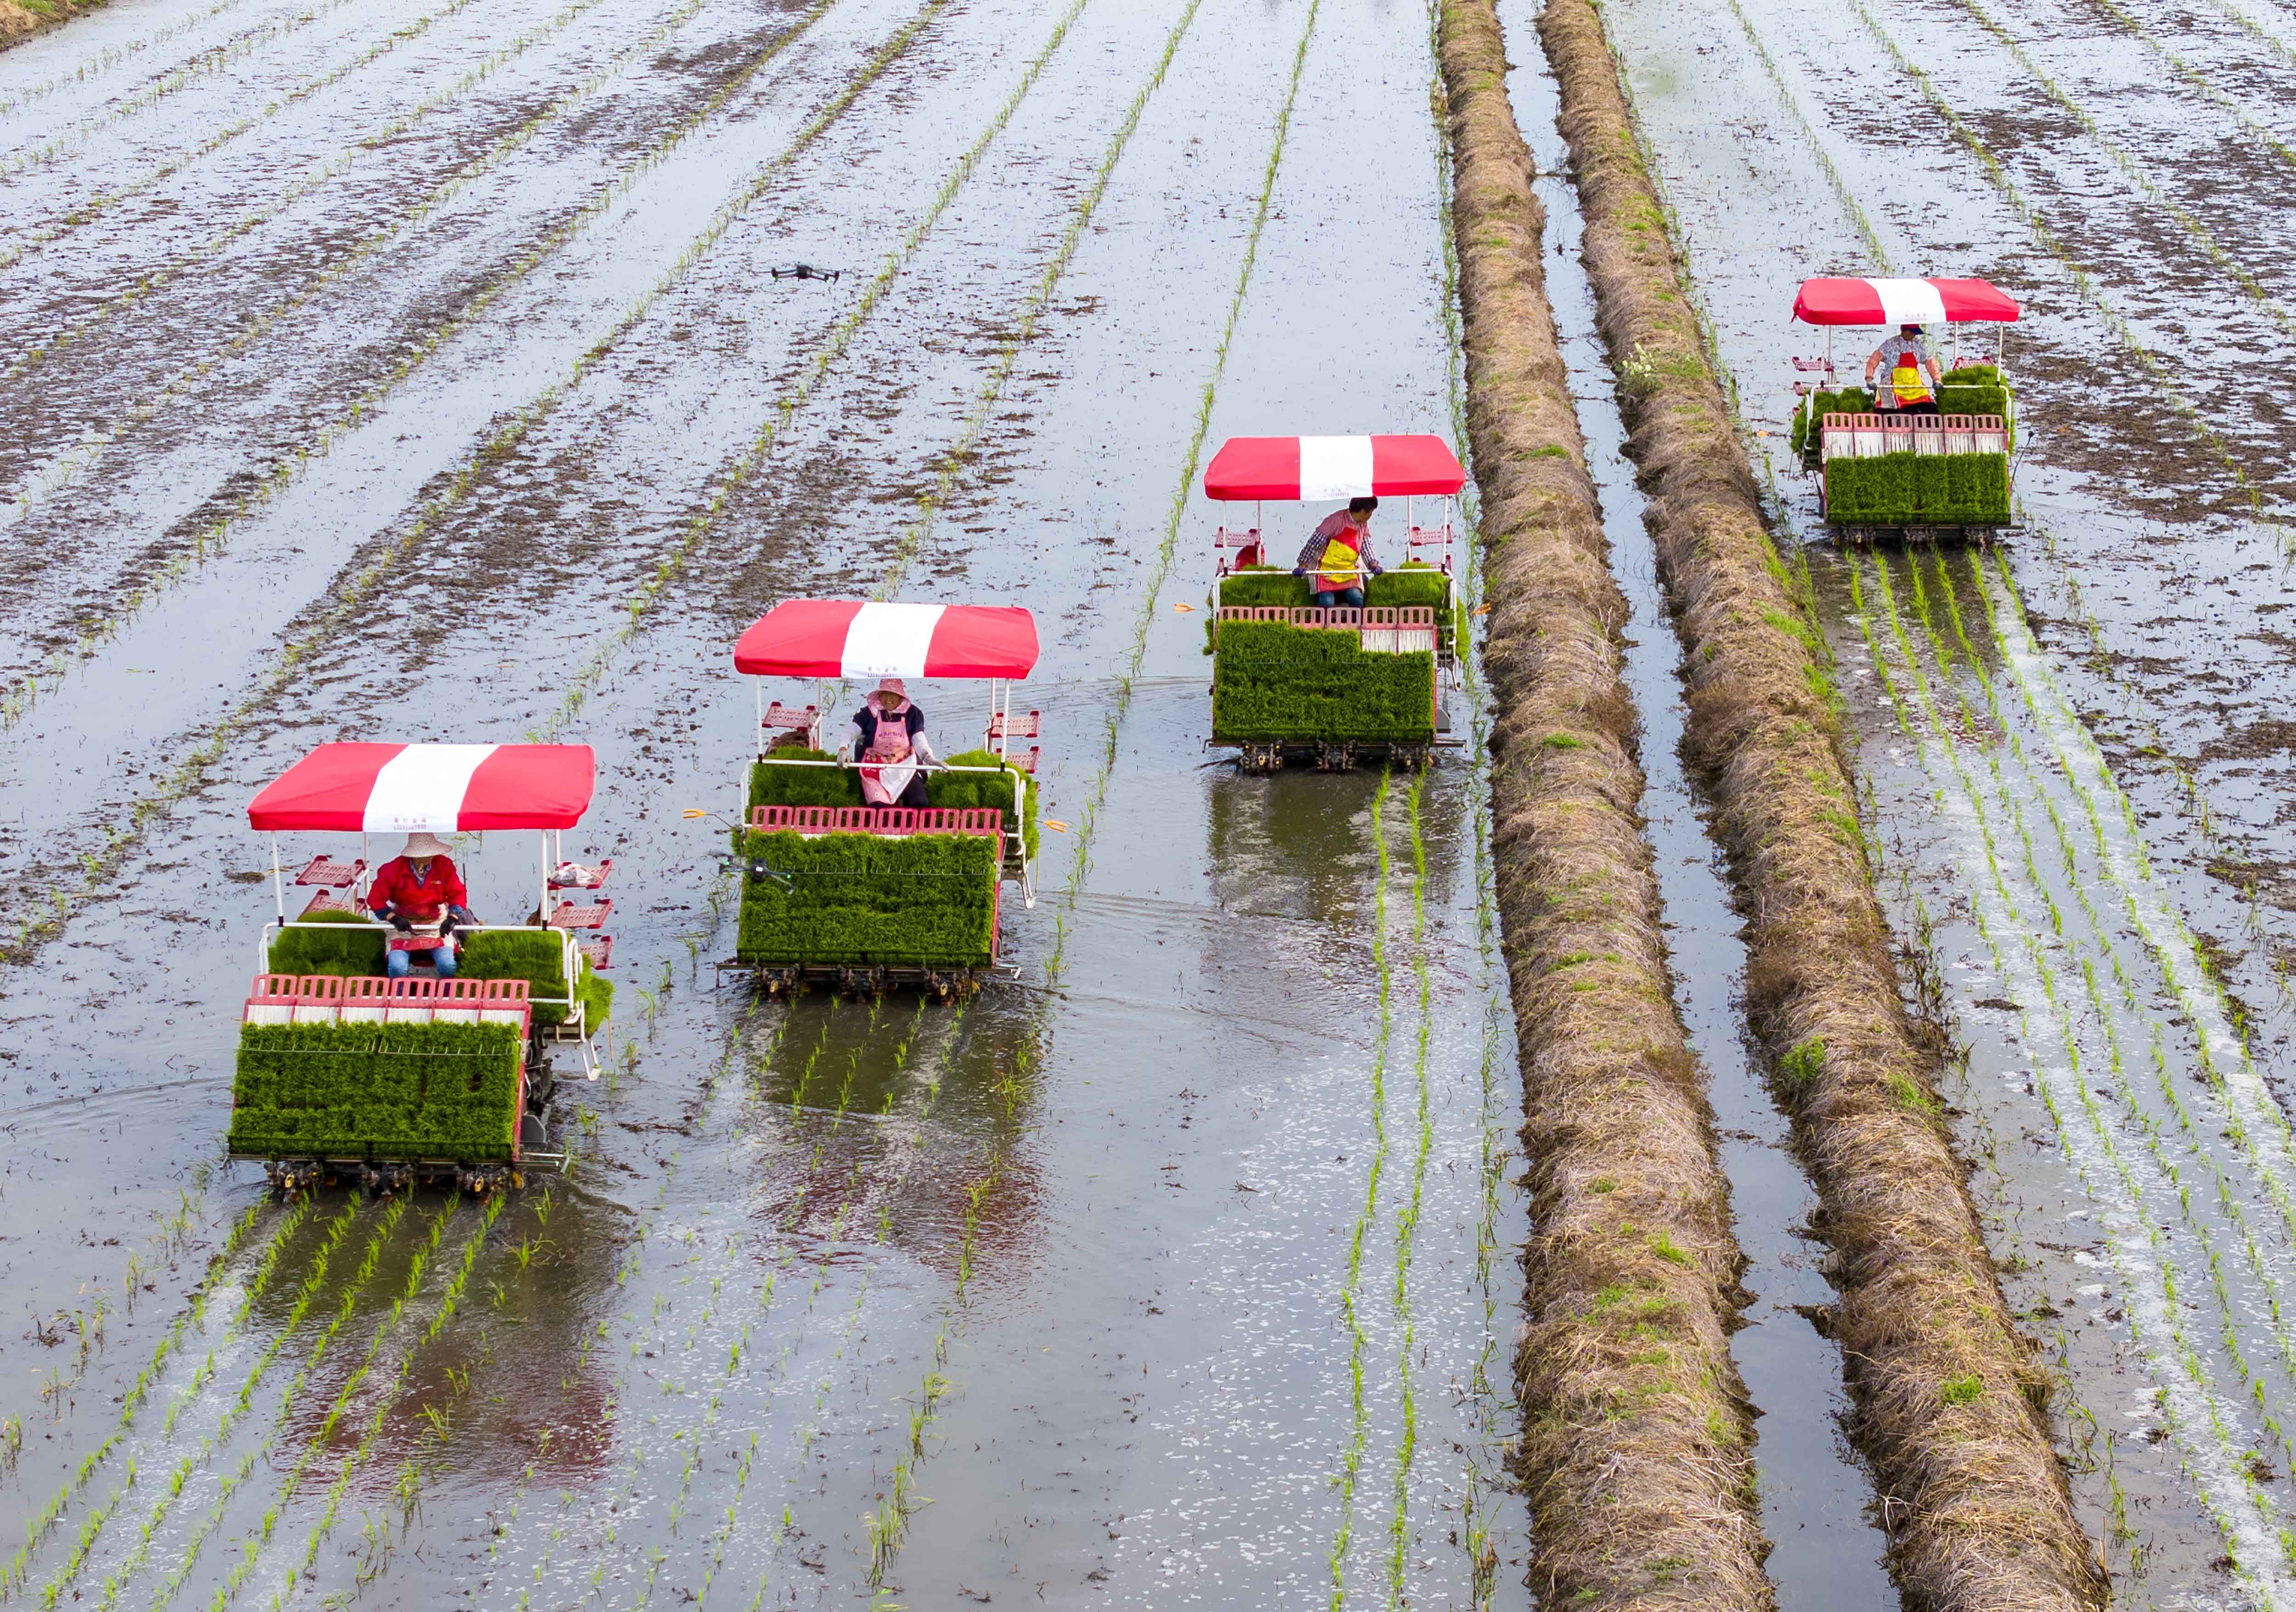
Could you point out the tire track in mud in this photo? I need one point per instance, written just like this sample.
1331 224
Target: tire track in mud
62 469
106 59
2010 893
208 61
351 592
103 201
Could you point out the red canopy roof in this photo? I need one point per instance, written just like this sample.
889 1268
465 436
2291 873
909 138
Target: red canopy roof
1302 468
1903 302
846 638
432 788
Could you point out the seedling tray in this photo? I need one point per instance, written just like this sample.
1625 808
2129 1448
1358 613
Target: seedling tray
377 1093
1274 682
836 900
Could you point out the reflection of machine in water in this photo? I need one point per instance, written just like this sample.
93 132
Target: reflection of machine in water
880 1120
1299 846
543 1393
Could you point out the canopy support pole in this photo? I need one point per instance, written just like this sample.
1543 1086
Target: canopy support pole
279 879
542 852
757 690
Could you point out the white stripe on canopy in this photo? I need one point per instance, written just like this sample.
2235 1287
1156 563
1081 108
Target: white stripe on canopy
1909 301
420 789
891 640
1334 467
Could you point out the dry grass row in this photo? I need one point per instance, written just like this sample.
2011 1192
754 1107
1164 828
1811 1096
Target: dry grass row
1950 1399
1635 1450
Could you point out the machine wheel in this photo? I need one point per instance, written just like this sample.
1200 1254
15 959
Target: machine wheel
479 1180
541 1077
289 1176
383 1180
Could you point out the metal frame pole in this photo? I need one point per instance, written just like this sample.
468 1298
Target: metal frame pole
278 879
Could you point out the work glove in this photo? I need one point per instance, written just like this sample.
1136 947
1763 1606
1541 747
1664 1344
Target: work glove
401 925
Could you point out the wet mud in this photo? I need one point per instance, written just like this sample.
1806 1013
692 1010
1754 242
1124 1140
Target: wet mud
1182 1268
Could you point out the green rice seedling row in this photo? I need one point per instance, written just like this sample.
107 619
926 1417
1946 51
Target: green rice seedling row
1351 1288
112 57
103 201
2134 172
125 1571
2186 1395
13 1575
68 465
206 63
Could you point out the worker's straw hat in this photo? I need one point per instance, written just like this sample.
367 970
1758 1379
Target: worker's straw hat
422 845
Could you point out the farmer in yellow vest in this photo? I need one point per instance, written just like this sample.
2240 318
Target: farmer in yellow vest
1336 557
1903 357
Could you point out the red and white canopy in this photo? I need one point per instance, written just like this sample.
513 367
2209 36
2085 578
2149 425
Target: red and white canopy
429 789
846 638
1305 468
1903 302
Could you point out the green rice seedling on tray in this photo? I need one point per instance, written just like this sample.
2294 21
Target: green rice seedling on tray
862 900
1274 682
1412 583
774 782
1919 489
377 1090
958 791
538 957
351 945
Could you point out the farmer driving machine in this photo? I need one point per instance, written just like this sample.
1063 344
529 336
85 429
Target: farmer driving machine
389 1048
882 863
1334 664
1917 456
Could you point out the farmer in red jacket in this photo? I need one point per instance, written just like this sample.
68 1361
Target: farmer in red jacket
420 889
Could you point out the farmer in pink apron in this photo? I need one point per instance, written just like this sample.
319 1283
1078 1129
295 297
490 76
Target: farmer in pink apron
887 739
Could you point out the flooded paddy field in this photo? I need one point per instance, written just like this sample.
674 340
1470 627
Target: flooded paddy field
2073 746
424 378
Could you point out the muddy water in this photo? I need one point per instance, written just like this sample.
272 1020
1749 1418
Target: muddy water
2069 749
1177 1269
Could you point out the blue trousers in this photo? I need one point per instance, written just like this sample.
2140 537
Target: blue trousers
396 963
1346 598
